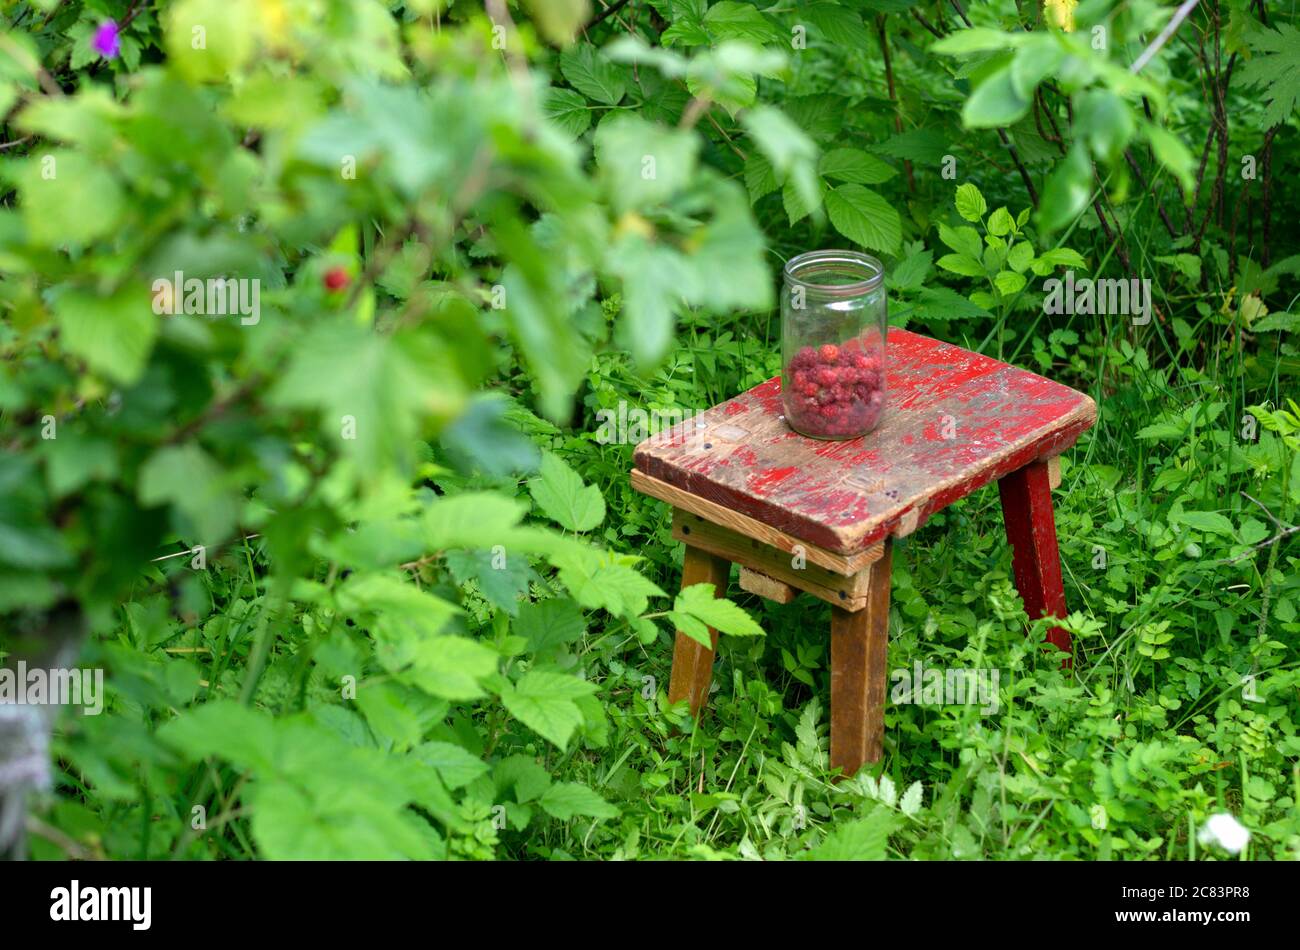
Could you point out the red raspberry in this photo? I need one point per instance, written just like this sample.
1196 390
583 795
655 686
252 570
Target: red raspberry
830 352
336 278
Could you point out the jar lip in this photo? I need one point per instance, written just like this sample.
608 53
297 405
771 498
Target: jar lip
852 263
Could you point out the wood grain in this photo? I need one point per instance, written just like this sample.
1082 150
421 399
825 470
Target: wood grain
859 674
767 587
847 592
743 524
1054 472
955 420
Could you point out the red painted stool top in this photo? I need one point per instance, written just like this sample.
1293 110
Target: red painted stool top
955 420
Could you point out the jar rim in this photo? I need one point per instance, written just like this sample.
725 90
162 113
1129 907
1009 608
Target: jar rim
852 263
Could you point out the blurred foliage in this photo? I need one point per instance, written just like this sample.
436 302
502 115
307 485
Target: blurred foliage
365 578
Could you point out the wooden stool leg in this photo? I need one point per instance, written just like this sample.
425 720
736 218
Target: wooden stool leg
1031 529
692 661
859 654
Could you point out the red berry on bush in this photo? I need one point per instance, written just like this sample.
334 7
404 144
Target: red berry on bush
336 278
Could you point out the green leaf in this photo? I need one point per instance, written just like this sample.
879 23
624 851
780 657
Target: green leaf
963 240
760 179
545 703
1009 282
643 164
972 40
455 766
1189 265
501 579
855 165
550 624
970 203
1211 522
1038 59
729 257
1105 121
66 197
699 601
471 520
1020 256
559 492
791 153
1275 322
187 478
74 459
863 216
836 24
524 775
995 103
730 20
961 264
910 273
863 840
1164 429
1057 257
1000 222
371 390
1067 191
919 145
559 20
1274 69
114 335
944 303
568 110
910 803
225 49
655 279
589 72
612 586
390 713
796 209
570 799
450 667
225 729
1170 151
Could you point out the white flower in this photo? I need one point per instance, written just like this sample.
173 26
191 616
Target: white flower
1225 831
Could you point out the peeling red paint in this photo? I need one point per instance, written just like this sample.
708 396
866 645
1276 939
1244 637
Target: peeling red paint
845 495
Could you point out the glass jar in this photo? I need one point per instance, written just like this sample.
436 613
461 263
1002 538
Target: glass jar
833 325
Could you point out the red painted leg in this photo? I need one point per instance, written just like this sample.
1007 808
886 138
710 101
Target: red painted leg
1031 529
693 661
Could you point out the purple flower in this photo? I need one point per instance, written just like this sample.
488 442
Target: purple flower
106 41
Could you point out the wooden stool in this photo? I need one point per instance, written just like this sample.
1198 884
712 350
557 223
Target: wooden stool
799 514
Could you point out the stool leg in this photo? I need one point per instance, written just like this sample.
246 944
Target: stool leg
692 661
1031 529
859 648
